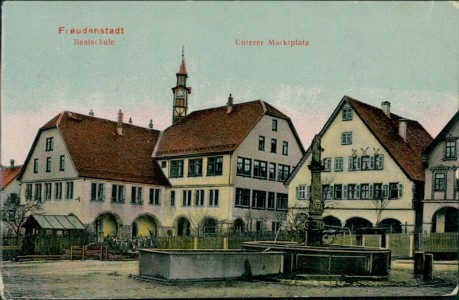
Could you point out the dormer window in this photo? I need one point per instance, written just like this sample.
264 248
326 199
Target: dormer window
450 150
347 114
49 144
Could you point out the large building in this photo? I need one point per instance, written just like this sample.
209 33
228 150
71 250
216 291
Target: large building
216 169
373 172
98 170
441 198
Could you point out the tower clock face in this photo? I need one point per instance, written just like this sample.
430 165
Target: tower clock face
180 92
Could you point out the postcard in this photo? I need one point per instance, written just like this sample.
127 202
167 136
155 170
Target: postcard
214 126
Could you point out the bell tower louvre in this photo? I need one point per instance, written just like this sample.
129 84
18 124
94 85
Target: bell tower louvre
181 92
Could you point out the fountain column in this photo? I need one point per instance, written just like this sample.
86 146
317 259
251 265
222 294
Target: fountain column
316 204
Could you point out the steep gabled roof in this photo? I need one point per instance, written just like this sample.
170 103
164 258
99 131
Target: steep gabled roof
443 133
9 175
97 151
407 154
214 130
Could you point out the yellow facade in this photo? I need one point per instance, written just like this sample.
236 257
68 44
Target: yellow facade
363 143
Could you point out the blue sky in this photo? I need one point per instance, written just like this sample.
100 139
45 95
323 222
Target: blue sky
405 53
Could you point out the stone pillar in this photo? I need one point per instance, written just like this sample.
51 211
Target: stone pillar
419 258
428 266
316 205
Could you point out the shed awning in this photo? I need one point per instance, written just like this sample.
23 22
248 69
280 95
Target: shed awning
56 222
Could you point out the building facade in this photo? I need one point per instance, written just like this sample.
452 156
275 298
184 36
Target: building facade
441 198
373 172
213 170
10 191
98 170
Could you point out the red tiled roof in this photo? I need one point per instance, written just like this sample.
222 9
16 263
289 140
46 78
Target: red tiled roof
214 130
97 151
9 175
407 153
443 133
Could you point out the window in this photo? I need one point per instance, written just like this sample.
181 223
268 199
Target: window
28 191
338 191
439 182
163 164
327 164
302 192
244 166
69 190
242 197
282 201
118 193
259 199
261 143
271 200
62 163
378 191
347 114
327 192
338 164
48 191
48 164
365 162
272 171
365 191
97 191
213 197
273 146
379 161
35 165
450 149
215 166
346 138
176 168
155 197
37 196
395 190
352 191
259 169
49 144
186 199
199 197
195 167
172 198
283 172
58 190
136 195
284 148
274 125
354 163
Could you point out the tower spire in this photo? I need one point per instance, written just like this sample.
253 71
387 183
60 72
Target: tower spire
182 70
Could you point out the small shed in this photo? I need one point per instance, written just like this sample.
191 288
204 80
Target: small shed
38 223
51 234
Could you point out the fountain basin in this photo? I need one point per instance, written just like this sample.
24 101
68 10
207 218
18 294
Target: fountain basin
331 259
189 265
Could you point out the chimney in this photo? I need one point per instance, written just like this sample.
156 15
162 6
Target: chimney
12 163
130 120
229 107
91 113
119 128
402 128
385 106
151 124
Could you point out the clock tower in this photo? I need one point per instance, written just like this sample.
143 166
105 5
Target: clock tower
181 92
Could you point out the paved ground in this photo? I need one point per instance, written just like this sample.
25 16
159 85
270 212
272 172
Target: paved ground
114 279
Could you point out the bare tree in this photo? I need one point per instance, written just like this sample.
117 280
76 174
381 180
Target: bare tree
15 214
380 205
